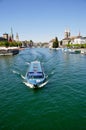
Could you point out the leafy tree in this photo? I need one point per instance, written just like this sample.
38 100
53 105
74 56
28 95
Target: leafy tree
76 45
31 43
61 42
11 44
56 43
6 44
69 42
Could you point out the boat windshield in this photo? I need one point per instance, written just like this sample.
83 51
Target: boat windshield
36 75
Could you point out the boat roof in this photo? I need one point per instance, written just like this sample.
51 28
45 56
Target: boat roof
35 67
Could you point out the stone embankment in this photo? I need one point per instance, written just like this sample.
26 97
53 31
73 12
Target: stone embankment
9 50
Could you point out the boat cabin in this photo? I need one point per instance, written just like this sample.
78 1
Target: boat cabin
35 71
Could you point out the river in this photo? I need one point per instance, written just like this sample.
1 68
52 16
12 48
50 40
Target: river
59 105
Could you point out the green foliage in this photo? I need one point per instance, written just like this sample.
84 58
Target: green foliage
83 45
56 43
61 42
31 43
2 43
6 44
11 44
19 44
69 45
76 45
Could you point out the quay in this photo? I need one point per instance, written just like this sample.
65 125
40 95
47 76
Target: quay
8 51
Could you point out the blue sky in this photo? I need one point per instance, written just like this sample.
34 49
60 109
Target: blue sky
42 20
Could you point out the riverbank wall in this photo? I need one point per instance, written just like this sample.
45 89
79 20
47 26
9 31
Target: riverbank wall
9 50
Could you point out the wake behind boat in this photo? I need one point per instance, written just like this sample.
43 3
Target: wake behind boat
35 76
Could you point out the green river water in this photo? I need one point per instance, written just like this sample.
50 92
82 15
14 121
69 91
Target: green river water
59 105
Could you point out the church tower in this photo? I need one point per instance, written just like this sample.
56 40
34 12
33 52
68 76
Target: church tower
17 37
11 37
67 33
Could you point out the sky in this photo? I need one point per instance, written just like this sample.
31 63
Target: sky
42 20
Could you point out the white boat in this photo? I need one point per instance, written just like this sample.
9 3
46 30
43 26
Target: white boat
35 75
83 52
71 51
66 50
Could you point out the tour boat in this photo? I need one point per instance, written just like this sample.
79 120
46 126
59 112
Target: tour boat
35 75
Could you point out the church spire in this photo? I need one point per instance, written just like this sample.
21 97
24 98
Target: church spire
67 33
17 37
12 38
79 33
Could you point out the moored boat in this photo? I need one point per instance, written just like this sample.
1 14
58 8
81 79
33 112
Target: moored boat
8 51
35 75
71 51
77 51
83 51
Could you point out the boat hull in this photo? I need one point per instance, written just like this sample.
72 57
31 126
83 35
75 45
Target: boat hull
35 75
35 84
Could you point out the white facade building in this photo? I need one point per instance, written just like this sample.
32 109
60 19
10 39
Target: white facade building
81 40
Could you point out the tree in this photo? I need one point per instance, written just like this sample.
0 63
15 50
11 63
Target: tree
61 42
6 44
56 43
31 43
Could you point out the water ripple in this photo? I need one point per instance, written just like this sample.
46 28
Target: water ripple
59 104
